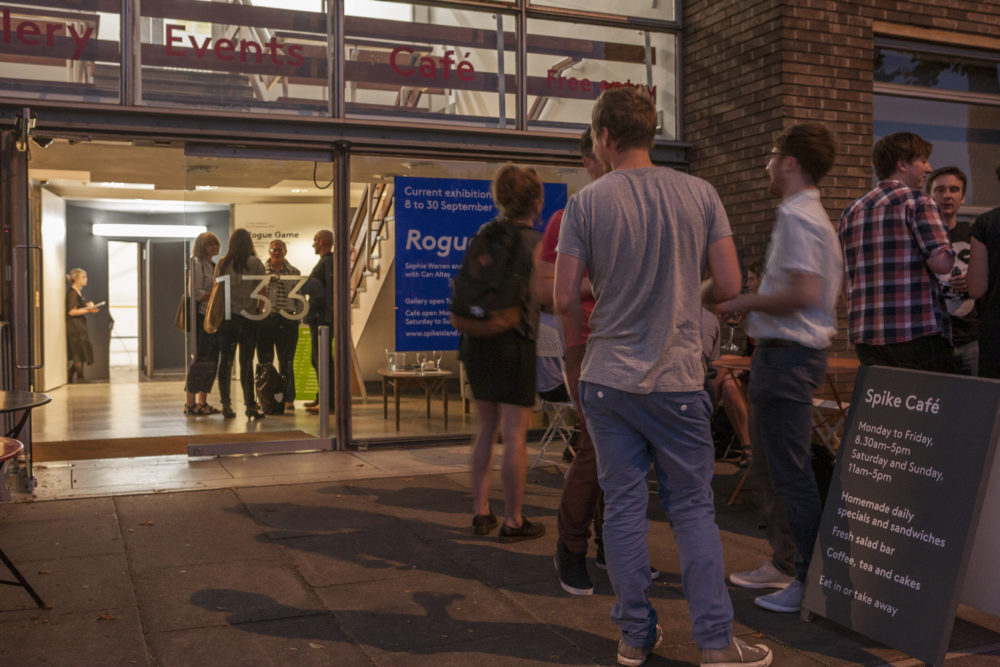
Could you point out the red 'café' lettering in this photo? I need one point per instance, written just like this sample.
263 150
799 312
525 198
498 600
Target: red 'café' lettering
428 68
554 79
225 49
30 33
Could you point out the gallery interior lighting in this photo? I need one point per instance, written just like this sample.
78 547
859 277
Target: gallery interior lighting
123 186
148 231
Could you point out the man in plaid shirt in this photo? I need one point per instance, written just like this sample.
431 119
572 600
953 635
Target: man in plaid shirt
894 241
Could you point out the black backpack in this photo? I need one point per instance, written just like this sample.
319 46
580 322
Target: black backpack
268 383
487 293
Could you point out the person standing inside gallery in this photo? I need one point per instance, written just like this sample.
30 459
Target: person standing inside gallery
239 330
279 331
319 289
792 319
201 373
78 336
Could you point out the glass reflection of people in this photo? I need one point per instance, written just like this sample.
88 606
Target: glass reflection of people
319 289
202 372
80 350
276 332
239 330
501 371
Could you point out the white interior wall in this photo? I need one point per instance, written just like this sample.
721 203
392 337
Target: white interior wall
53 210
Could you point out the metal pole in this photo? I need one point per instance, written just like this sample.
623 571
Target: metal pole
341 292
324 381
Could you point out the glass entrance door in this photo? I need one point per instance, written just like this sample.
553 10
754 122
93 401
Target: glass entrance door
253 218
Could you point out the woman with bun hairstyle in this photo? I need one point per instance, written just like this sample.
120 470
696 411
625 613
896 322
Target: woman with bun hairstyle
501 370
78 337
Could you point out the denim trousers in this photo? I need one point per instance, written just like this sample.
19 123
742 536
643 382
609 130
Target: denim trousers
782 383
670 430
238 331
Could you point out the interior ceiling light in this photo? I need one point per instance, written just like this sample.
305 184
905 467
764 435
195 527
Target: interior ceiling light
206 187
123 186
148 231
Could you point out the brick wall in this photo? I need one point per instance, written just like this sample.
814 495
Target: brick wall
752 67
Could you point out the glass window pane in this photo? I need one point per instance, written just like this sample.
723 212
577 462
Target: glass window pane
233 56
63 54
964 135
429 64
410 226
662 10
570 64
931 70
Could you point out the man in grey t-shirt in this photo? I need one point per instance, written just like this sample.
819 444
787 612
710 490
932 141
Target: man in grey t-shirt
644 234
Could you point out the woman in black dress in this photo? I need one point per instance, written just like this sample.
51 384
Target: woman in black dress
501 371
80 350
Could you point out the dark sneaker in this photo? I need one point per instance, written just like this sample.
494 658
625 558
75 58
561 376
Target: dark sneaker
482 524
602 564
568 454
632 656
526 531
737 654
572 569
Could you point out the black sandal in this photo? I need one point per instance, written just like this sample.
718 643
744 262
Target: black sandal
192 410
207 409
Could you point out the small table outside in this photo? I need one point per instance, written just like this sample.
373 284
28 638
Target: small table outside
431 381
12 402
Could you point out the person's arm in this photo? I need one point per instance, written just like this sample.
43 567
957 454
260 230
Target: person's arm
545 278
568 274
724 268
977 277
805 290
941 260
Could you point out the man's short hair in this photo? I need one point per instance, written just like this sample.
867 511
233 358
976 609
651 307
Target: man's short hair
812 146
586 144
629 116
950 171
892 148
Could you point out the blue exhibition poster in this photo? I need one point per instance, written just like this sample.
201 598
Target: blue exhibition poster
435 218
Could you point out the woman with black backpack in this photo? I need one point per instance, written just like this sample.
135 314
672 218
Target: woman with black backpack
501 367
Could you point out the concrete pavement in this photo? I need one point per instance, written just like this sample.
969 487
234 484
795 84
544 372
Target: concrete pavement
363 571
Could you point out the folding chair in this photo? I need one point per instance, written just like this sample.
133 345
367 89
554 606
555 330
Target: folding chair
549 344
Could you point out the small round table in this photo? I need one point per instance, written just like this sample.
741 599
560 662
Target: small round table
16 401
431 381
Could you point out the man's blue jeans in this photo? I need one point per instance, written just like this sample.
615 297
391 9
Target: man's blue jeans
782 383
671 431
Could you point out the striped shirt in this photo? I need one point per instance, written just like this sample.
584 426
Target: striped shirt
277 290
887 236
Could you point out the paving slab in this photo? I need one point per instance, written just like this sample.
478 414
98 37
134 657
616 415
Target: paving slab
185 528
302 641
176 598
70 586
111 636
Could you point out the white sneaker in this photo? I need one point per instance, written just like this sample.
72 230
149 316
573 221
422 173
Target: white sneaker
788 600
765 576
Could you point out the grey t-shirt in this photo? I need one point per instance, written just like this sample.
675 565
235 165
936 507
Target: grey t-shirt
643 234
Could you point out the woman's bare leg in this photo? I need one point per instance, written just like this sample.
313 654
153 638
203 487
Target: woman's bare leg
482 455
514 427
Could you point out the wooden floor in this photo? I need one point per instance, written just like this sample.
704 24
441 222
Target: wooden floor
104 410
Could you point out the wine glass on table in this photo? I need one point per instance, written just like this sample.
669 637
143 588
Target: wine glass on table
436 355
730 347
421 360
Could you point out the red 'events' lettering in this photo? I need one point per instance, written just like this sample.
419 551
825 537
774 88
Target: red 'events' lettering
225 49
30 33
